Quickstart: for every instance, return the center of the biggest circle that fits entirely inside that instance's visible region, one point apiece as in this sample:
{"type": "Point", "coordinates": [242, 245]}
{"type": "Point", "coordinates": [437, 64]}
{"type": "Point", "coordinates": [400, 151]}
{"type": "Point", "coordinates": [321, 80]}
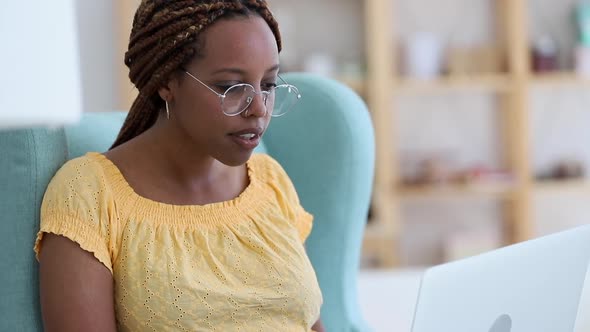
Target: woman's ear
{"type": "Point", "coordinates": [169, 88]}
{"type": "Point", "coordinates": [165, 91]}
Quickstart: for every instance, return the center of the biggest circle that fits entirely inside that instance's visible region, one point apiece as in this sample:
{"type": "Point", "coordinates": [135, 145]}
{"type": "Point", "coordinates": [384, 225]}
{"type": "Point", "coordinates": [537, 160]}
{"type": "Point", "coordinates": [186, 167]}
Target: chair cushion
{"type": "Point", "coordinates": [95, 132]}
{"type": "Point", "coordinates": [29, 159]}
{"type": "Point", "coordinates": [326, 145]}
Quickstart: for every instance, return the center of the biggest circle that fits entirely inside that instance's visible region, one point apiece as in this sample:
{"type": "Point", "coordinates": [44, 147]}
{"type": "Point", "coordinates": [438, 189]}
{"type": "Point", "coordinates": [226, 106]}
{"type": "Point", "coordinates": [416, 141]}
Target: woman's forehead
{"type": "Point", "coordinates": [239, 42]}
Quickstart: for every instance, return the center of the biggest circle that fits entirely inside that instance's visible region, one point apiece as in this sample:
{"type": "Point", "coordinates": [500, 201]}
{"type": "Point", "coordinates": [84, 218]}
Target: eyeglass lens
{"type": "Point", "coordinates": [239, 97]}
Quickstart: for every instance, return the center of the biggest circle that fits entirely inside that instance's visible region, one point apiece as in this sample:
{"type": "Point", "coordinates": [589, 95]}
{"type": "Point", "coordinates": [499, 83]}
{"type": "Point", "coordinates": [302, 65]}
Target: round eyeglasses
{"type": "Point", "coordinates": [237, 98]}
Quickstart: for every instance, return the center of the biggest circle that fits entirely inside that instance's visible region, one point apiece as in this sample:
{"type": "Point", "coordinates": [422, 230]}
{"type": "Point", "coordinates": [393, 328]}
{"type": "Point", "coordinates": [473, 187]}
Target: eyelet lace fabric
{"type": "Point", "coordinates": [238, 265]}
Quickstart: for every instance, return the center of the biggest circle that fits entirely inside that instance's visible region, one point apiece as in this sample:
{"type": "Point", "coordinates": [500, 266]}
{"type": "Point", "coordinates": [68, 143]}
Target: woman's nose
{"type": "Point", "coordinates": [257, 106]}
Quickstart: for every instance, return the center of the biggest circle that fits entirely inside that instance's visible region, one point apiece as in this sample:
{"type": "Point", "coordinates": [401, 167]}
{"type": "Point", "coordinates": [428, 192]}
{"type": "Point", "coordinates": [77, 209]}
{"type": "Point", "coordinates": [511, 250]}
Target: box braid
{"type": "Point", "coordinates": [164, 37]}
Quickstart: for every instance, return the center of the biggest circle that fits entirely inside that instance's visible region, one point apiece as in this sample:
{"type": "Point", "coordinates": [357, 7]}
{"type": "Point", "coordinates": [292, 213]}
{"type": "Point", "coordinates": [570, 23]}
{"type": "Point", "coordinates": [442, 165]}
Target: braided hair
{"type": "Point", "coordinates": [165, 37]}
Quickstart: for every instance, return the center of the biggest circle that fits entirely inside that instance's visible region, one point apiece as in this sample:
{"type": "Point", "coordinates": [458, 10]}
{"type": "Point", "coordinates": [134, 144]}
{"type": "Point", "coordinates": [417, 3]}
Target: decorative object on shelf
{"type": "Point", "coordinates": [439, 168]}
{"type": "Point", "coordinates": [582, 52]}
{"type": "Point", "coordinates": [488, 59]}
{"type": "Point", "coordinates": [482, 174]}
{"type": "Point", "coordinates": [472, 60]}
{"type": "Point", "coordinates": [582, 15]}
{"type": "Point", "coordinates": [423, 56]}
{"type": "Point", "coordinates": [566, 169]}
{"type": "Point", "coordinates": [544, 54]}
{"type": "Point", "coordinates": [459, 61]}
{"type": "Point", "coordinates": [435, 167]}
{"type": "Point", "coordinates": [434, 171]}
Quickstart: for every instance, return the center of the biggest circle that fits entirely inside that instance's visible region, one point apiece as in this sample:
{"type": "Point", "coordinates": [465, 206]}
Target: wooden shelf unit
{"type": "Point", "coordinates": [454, 191]}
{"type": "Point", "coordinates": [484, 83]}
{"type": "Point", "coordinates": [560, 186]}
{"type": "Point", "coordinates": [512, 87]}
{"type": "Point", "coordinates": [560, 79]}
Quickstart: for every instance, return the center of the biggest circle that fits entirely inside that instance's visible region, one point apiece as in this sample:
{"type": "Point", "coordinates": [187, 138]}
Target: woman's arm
{"type": "Point", "coordinates": [318, 326]}
{"type": "Point", "coordinates": [76, 289]}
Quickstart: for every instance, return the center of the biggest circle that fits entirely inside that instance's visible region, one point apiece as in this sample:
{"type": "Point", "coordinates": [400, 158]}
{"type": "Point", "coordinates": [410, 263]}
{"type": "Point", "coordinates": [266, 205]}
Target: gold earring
{"type": "Point", "coordinates": [167, 111]}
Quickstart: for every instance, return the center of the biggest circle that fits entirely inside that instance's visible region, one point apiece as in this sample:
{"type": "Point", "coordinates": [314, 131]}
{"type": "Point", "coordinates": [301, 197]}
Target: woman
{"type": "Point", "coordinates": [178, 226]}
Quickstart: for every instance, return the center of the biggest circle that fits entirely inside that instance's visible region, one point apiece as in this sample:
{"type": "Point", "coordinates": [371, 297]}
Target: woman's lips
{"type": "Point", "coordinates": [248, 141]}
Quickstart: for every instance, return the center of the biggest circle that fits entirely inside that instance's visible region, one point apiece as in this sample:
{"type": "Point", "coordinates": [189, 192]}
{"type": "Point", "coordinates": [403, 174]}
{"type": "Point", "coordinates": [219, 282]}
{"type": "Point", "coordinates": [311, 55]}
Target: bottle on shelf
{"type": "Point", "coordinates": [582, 52]}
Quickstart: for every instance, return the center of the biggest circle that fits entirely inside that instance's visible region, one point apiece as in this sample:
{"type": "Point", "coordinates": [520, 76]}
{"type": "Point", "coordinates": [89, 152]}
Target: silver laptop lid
{"type": "Point", "coordinates": [533, 286]}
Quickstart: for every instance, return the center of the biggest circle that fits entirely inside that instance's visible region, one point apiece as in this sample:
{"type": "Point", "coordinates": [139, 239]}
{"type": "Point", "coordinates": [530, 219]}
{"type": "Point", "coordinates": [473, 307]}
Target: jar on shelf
{"type": "Point", "coordinates": [545, 54]}
{"type": "Point", "coordinates": [423, 55]}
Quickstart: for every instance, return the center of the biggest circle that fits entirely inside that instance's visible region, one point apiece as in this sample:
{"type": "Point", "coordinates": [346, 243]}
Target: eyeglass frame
{"type": "Point", "coordinates": [265, 94]}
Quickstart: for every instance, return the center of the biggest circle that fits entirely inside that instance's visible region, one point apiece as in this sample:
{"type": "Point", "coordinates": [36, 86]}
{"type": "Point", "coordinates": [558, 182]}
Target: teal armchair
{"type": "Point", "coordinates": [326, 145]}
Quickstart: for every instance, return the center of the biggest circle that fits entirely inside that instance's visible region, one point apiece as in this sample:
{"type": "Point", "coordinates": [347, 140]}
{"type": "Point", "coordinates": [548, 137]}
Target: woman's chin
{"type": "Point", "coordinates": [235, 160]}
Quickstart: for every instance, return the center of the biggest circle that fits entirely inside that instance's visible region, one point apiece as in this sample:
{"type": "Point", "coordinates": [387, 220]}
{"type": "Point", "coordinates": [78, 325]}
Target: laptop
{"type": "Point", "coordinates": [541, 285]}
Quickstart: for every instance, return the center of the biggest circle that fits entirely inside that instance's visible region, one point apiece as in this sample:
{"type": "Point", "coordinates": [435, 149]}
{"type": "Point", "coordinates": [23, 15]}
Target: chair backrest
{"type": "Point", "coordinates": [325, 144]}
{"type": "Point", "coordinates": [28, 160]}
{"type": "Point", "coordinates": [327, 147]}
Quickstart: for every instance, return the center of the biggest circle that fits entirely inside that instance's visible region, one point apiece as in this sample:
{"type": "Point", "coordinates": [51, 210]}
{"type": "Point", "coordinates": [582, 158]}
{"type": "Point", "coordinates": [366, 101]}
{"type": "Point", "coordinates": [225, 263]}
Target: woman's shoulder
{"type": "Point", "coordinates": [85, 165]}
{"type": "Point", "coordinates": [88, 162]}
{"type": "Point", "coordinates": [283, 192]}
{"type": "Point", "coordinates": [87, 171]}
{"type": "Point", "coordinates": [269, 171]}
{"type": "Point", "coordinates": [266, 167]}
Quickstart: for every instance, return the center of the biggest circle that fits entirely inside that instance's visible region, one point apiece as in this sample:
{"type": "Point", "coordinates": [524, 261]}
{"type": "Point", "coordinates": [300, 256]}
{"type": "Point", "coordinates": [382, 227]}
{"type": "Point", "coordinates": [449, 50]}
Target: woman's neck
{"type": "Point", "coordinates": [161, 163]}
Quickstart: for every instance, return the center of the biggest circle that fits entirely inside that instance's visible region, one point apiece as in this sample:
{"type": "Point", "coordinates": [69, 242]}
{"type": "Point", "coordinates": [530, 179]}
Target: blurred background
{"type": "Point", "coordinates": [481, 112]}
{"type": "Point", "coordinates": [480, 109]}
{"type": "Point", "coordinates": [482, 118]}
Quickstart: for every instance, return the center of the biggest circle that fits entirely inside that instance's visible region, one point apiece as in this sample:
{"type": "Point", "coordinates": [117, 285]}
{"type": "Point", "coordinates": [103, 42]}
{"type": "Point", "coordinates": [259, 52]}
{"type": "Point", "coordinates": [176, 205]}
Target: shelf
{"type": "Point", "coordinates": [560, 79]}
{"type": "Point", "coordinates": [451, 191]}
{"type": "Point", "coordinates": [485, 83]}
{"type": "Point", "coordinates": [489, 83]}
{"type": "Point", "coordinates": [559, 186]}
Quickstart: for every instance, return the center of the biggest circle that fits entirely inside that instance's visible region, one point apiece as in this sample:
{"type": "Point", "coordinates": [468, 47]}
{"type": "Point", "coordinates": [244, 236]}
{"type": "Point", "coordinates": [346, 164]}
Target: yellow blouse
{"type": "Point", "coordinates": [238, 265]}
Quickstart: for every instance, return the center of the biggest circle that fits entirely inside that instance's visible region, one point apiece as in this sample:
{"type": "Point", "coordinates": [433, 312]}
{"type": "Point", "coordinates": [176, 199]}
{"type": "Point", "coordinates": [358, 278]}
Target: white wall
{"type": "Point", "coordinates": [326, 26]}
{"type": "Point", "coordinates": [39, 64]}
{"type": "Point", "coordinates": [97, 27]}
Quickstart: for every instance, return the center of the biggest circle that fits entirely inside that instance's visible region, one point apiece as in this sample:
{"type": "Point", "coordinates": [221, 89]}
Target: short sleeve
{"type": "Point", "coordinates": [289, 200]}
{"type": "Point", "coordinates": [78, 206]}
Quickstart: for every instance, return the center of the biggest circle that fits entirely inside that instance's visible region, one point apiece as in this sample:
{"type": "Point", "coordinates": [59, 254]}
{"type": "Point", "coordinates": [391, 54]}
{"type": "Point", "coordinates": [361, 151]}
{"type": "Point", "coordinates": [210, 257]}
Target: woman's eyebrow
{"type": "Point", "coordinates": [241, 71]}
